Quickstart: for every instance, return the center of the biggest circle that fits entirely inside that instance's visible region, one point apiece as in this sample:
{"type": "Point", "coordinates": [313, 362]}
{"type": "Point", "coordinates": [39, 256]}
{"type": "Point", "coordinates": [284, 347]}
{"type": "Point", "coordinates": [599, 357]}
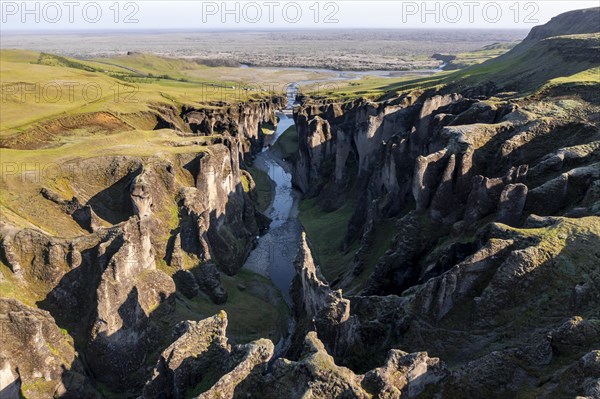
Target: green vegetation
{"type": "Point", "coordinates": [530, 65]}
{"type": "Point", "coordinates": [254, 306]}
{"type": "Point", "coordinates": [245, 183]}
{"type": "Point", "coordinates": [9, 288]}
{"type": "Point", "coordinates": [463, 60]}
{"type": "Point", "coordinates": [377, 87]}
{"type": "Point", "coordinates": [326, 231]}
{"type": "Point", "coordinates": [38, 388]}
{"type": "Point", "coordinates": [60, 168]}
{"type": "Point", "coordinates": [267, 128]}
{"type": "Point", "coordinates": [380, 243]}
{"type": "Point", "coordinates": [55, 60]}
{"type": "Point", "coordinates": [263, 188]}
{"type": "Point", "coordinates": [286, 145]}
{"type": "Point", "coordinates": [37, 87]}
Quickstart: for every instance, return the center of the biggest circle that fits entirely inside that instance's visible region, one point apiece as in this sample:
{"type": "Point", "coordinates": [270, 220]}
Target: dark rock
{"type": "Point", "coordinates": [186, 283]}
{"type": "Point", "coordinates": [511, 204]}
{"type": "Point", "coordinates": [201, 354]}
{"type": "Point", "coordinates": [209, 281]}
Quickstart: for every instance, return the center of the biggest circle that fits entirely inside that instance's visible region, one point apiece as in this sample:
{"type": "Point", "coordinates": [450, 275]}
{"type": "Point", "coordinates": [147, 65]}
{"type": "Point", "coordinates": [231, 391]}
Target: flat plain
{"type": "Point", "coordinates": [340, 49]}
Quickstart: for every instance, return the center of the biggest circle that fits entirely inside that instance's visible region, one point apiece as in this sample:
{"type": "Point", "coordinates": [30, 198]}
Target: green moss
{"type": "Point", "coordinates": [263, 190]}
{"type": "Point", "coordinates": [325, 231]}
{"type": "Point", "coordinates": [286, 145]}
{"type": "Point", "coordinates": [38, 388]}
{"type": "Point", "coordinates": [267, 128]}
{"type": "Point", "coordinates": [245, 183]}
{"type": "Point", "coordinates": [11, 287]}
{"type": "Point", "coordinates": [258, 311]}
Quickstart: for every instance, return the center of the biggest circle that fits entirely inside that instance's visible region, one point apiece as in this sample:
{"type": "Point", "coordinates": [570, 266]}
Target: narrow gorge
{"type": "Point", "coordinates": [439, 241]}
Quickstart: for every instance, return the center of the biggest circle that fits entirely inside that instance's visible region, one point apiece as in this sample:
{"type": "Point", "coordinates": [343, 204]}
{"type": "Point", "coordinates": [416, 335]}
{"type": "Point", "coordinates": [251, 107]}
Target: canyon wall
{"type": "Point", "coordinates": [151, 227]}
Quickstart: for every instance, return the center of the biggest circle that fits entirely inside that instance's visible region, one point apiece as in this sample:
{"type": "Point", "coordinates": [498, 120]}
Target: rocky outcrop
{"type": "Point", "coordinates": [405, 375]}
{"type": "Point", "coordinates": [316, 375]}
{"type": "Point", "coordinates": [37, 358]}
{"type": "Point", "coordinates": [184, 212]}
{"type": "Point", "coordinates": [344, 325]}
{"type": "Point", "coordinates": [220, 219]}
{"type": "Point", "coordinates": [439, 295]}
{"type": "Point", "coordinates": [201, 357]}
{"type": "Point", "coordinates": [243, 121]}
{"type": "Point", "coordinates": [130, 290]}
{"type": "Point", "coordinates": [317, 306]}
{"type": "Point", "coordinates": [555, 193]}
{"type": "Point", "coordinates": [459, 160]}
{"type": "Point", "coordinates": [141, 196]}
{"type": "Point", "coordinates": [457, 311]}
{"type": "Point", "coordinates": [209, 281]}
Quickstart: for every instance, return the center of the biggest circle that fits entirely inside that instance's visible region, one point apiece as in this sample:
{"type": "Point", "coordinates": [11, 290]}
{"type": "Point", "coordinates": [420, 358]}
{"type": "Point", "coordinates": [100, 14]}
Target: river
{"type": "Point", "coordinates": [274, 254]}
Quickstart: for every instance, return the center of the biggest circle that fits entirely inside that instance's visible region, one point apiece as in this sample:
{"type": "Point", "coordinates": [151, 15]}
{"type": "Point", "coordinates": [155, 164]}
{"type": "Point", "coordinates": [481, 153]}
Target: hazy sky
{"type": "Point", "coordinates": [196, 14]}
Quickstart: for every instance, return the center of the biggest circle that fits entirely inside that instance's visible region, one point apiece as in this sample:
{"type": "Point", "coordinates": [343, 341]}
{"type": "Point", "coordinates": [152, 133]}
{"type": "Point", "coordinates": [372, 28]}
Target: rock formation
{"type": "Point", "coordinates": [108, 287]}
{"type": "Point", "coordinates": [473, 235]}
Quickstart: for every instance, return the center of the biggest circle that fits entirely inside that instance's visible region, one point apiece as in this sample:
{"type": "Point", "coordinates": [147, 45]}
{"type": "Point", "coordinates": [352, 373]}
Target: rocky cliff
{"type": "Point", "coordinates": [149, 229]}
{"type": "Point", "coordinates": [492, 201]}
{"type": "Point", "coordinates": [470, 220]}
{"type": "Point", "coordinates": [445, 164]}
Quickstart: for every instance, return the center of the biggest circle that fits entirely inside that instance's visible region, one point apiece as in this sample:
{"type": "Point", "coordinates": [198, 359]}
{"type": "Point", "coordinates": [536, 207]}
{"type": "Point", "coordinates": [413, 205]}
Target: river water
{"type": "Point", "coordinates": [274, 255]}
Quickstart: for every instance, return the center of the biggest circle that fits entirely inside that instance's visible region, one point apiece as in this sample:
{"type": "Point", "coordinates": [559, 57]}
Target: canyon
{"type": "Point", "coordinates": [446, 242]}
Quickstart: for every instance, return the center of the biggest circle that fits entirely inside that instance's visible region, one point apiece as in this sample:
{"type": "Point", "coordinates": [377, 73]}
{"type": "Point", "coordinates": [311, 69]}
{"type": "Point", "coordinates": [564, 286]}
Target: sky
{"type": "Point", "coordinates": [60, 16]}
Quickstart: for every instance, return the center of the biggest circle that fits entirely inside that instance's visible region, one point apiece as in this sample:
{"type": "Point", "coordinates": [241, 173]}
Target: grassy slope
{"type": "Point", "coordinates": [286, 145]}
{"type": "Point", "coordinates": [464, 60]}
{"type": "Point", "coordinates": [257, 310]}
{"type": "Point", "coordinates": [254, 306]}
{"type": "Point", "coordinates": [57, 168]}
{"type": "Point", "coordinates": [528, 68]}
{"type": "Point", "coordinates": [31, 89]}
{"type": "Point", "coordinates": [326, 231]}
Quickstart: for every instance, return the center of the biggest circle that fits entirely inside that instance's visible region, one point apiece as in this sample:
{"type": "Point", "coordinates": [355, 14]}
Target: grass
{"type": "Point", "coordinates": [255, 311]}
{"type": "Point", "coordinates": [326, 231]}
{"type": "Point", "coordinates": [588, 76]}
{"type": "Point", "coordinates": [61, 168]}
{"type": "Point", "coordinates": [263, 188]}
{"type": "Point", "coordinates": [468, 59]}
{"type": "Point", "coordinates": [11, 288]}
{"type": "Point", "coordinates": [286, 145]}
{"type": "Point", "coordinates": [267, 128]}
{"type": "Point", "coordinates": [375, 87]}
{"type": "Point", "coordinates": [382, 239]}
{"type": "Point", "coordinates": [33, 92]}
{"type": "Point", "coordinates": [529, 66]}
{"type": "Point", "coordinates": [245, 183]}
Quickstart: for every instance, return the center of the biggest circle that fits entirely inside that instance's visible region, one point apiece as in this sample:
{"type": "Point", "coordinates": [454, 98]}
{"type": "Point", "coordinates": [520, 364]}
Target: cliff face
{"type": "Point", "coordinates": [491, 211]}
{"type": "Point", "coordinates": [152, 227]}
{"type": "Point", "coordinates": [244, 121]}
{"type": "Point", "coordinates": [457, 160]}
